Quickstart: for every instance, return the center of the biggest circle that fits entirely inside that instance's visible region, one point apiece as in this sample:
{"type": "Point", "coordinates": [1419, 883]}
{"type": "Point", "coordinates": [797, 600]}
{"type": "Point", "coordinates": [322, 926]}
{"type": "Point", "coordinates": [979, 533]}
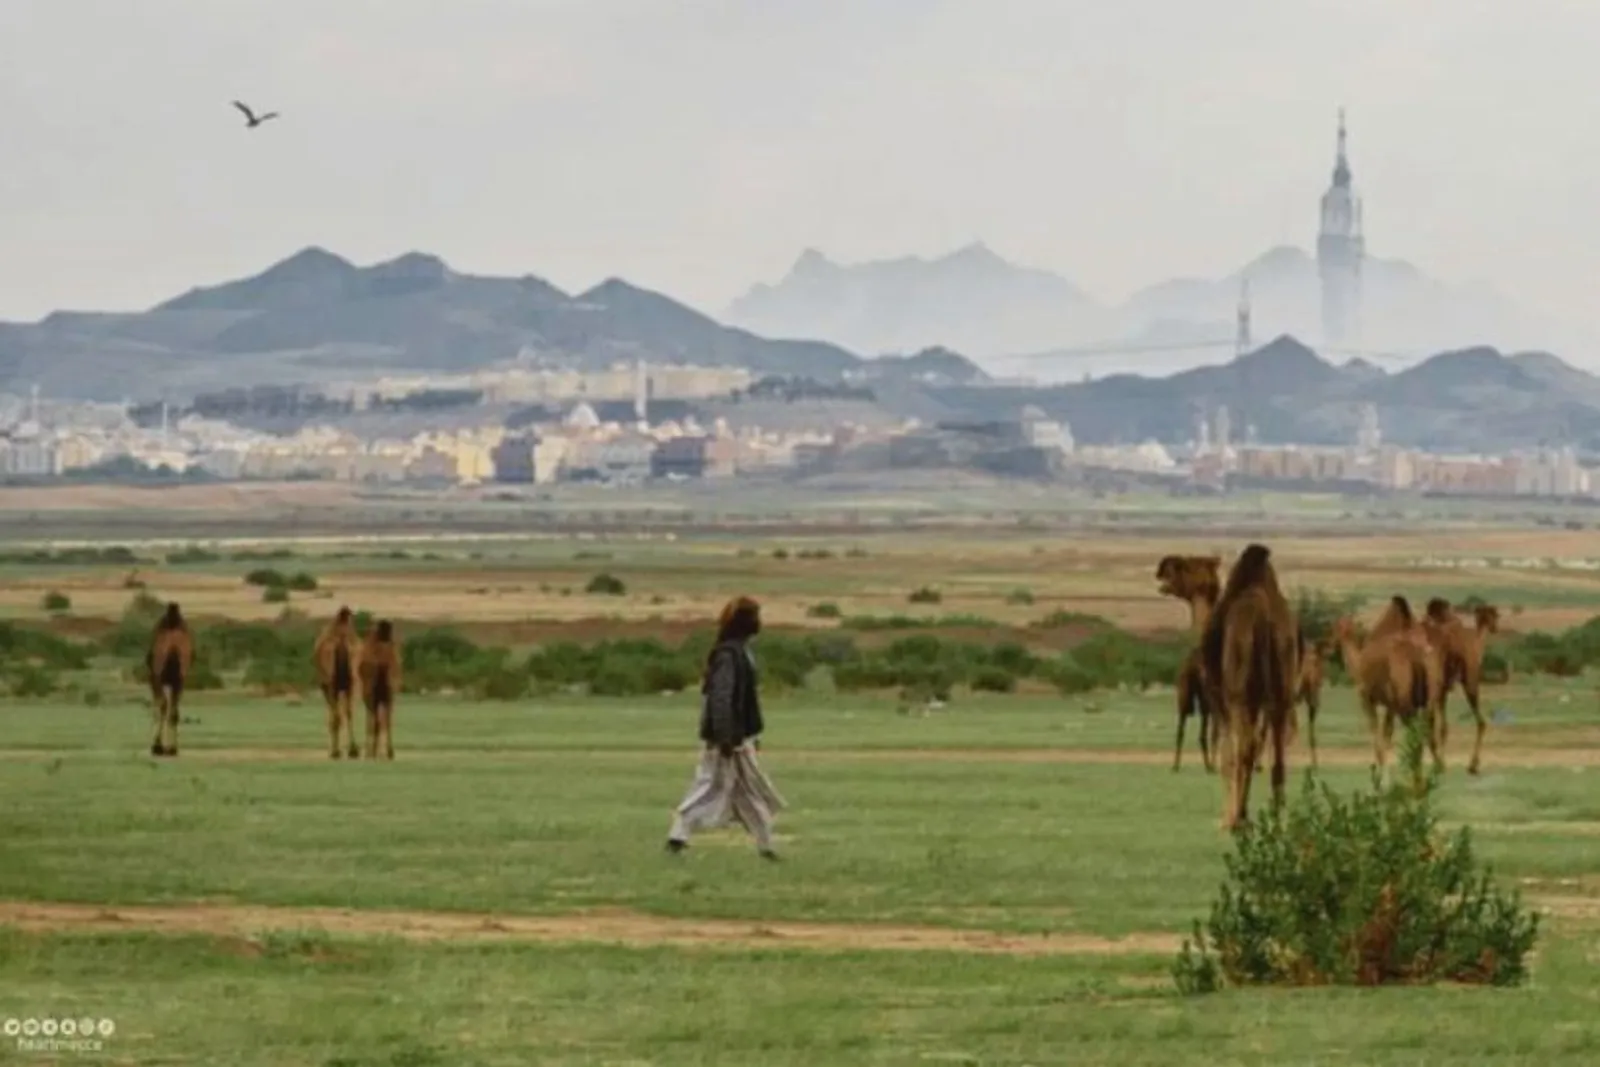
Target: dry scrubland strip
{"type": "Point", "coordinates": [610, 926]}
{"type": "Point", "coordinates": [1522, 758]}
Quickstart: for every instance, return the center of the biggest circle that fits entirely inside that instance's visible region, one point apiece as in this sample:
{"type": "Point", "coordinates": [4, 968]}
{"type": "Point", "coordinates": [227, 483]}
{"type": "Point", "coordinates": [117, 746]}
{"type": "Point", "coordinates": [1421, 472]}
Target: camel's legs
{"type": "Point", "coordinates": [1210, 724]}
{"type": "Point", "coordinates": [158, 715]}
{"type": "Point", "coordinates": [372, 732]}
{"type": "Point", "coordinates": [332, 700]}
{"type": "Point", "coordinates": [1247, 741]}
{"type": "Point", "coordinates": [1183, 716]}
{"type": "Point", "coordinates": [172, 723]}
{"type": "Point", "coordinates": [1369, 709]}
{"type": "Point", "coordinates": [1280, 742]}
{"type": "Point", "coordinates": [386, 727]}
{"type": "Point", "coordinates": [347, 718]}
{"type": "Point", "coordinates": [1470, 686]}
{"type": "Point", "coordinates": [1312, 708]}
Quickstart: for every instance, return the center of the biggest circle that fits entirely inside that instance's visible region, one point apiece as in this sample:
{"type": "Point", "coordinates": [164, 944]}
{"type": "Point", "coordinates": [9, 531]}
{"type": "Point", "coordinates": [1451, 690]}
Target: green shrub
{"type": "Point", "coordinates": [825, 610]}
{"type": "Point", "coordinates": [56, 603]}
{"type": "Point", "coordinates": [31, 680]}
{"type": "Point", "coordinates": [301, 582]}
{"type": "Point", "coordinates": [1358, 890]}
{"type": "Point", "coordinates": [780, 553]}
{"type": "Point", "coordinates": [1019, 596]}
{"type": "Point", "coordinates": [192, 554]}
{"type": "Point", "coordinates": [925, 595]}
{"type": "Point", "coordinates": [275, 594]}
{"type": "Point", "coordinates": [1318, 611]}
{"type": "Point", "coordinates": [993, 680]}
{"type": "Point", "coordinates": [21, 646]}
{"type": "Point", "coordinates": [266, 577]}
{"type": "Point", "coordinates": [605, 584]}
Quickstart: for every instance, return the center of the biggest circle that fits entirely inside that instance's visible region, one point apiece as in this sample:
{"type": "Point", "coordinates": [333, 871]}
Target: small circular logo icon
{"type": "Point", "coordinates": [106, 1027]}
{"type": "Point", "coordinates": [86, 1026]}
{"type": "Point", "coordinates": [30, 1027]}
{"type": "Point", "coordinates": [48, 1028]}
{"type": "Point", "coordinates": [69, 1027]}
{"type": "Point", "coordinates": [13, 1027]}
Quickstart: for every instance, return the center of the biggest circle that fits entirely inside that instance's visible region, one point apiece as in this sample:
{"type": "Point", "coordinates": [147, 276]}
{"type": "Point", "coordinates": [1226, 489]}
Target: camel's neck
{"type": "Point", "coordinates": [1200, 609]}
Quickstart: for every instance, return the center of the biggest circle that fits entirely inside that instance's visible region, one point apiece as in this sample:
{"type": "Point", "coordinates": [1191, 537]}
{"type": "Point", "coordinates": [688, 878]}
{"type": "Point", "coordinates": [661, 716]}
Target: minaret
{"type": "Point", "coordinates": [33, 404]}
{"type": "Point", "coordinates": [1340, 250]}
{"type": "Point", "coordinates": [1241, 339]}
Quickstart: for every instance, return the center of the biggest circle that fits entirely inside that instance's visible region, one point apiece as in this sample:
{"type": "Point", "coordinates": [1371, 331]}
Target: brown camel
{"type": "Point", "coordinates": [1399, 669]}
{"type": "Point", "coordinates": [1196, 581]}
{"type": "Point", "coordinates": [380, 682]}
{"type": "Point", "coordinates": [168, 661]}
{"type": "Point", "coordinates": [1462, 650]}
{"type": "Point", "coordinates": [335, 656]}
{"type": "Point", "coordinates": [1251, 658]}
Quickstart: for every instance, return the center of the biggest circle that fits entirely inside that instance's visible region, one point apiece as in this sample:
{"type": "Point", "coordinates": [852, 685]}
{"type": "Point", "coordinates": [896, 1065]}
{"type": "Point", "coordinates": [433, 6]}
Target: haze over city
{"type": "Point", "coordinates": [698, 148]}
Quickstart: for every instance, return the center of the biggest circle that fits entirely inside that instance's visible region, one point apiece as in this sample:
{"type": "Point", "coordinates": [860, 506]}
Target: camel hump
{"type": "Point", "coordinates": [1402, 608]}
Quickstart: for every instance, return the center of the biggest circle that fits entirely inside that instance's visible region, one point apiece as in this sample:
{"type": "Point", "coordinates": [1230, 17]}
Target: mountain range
{"type": "Point", "coordinates": [1018, 318]}
{"type": "Point", "coordinates": [316, 318]}
{"type": "Point", "coordinates": [1467, 400]}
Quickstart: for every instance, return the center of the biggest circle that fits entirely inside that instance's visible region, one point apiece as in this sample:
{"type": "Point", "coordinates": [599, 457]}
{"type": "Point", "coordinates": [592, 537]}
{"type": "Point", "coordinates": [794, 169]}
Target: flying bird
{"type": "Point", "coordinates": [251, 119]}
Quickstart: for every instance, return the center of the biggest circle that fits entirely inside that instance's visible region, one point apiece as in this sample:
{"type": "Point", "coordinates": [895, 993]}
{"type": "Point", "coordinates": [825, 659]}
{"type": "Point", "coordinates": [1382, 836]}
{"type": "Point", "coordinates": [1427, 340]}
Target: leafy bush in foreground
{"type": "Point", "coordinates": [1358, 890]}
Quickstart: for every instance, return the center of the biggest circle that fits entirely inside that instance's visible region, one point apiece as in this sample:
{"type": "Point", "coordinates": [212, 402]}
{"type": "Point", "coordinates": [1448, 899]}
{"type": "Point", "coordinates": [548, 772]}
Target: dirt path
{"type": "Point", "coordinates": [611, 926]}
{"type": "Point", "coordinates": [1527, 757]}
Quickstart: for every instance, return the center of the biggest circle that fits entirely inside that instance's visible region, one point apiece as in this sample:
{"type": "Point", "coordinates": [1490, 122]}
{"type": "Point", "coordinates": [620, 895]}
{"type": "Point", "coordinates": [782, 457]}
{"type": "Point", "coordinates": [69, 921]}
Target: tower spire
{"type": "Point", "coordinates": [1341, 161]}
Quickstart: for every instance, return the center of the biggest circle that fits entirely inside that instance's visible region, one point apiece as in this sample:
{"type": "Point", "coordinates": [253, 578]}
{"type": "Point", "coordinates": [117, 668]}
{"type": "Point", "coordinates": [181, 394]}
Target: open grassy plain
{"type": "Point", "coordinates": [997, 879]}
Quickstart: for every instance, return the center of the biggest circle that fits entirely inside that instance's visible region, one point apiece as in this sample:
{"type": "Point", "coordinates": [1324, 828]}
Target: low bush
{"type": "Point", "coordinates": [605, 584]}
{"type": "Point", "coordinates": [1358, 890]}
{"type": "Point", "coordinates": [192, 554]}
{"type": "Point", "coordinates": [275, 594]}
{"type": "Point", "coordinates": [825, 610]}
{"type": "Point", "coordinates": [266, 577]}
{"type": "Point", "coordinates": [925, 595]}
{"type": "Point", "coordinates": [1019, 596]}
{"type": "Point", "coordinates": [55, 602]}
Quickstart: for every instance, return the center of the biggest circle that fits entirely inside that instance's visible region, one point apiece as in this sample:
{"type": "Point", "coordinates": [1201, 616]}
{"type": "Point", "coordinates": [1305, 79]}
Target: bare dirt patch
{"type": "Point", "coordinates": [611, 926]}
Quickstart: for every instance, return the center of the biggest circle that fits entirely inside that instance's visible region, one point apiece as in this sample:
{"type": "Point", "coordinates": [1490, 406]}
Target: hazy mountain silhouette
{"type": "Point", "coordinates": [970, 300]}
{"type": "Point", "coordinates": [980, 304]}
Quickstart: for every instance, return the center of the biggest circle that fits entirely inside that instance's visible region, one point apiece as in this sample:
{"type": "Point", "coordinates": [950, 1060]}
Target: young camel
{"type": "Point", "coordinates": [335, 658]}
{"type": "Point", "coordinates": [1462, 650]}
{"type": "Point", "coordinates": [1308, 691]}
{"type": "Point", "coordinates": [168, 661]}
{"type": "Point", "coordinates": [1399, 669]}
{"type": "Point", "coordinates": [1251, 655]}
{"type": "Point", "coordinates": [380, 681]}
{"type": "Point", "coordinates": [1196, 581]}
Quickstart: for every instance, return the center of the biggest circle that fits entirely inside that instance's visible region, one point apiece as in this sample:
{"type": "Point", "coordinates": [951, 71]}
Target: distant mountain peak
{"type": "Point", "coordinates": [810, 261]}
{"type": "Point", "coordinates": [311, 261]}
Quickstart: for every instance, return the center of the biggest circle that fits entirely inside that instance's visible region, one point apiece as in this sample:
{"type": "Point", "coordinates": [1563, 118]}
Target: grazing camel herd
{"type": "Point", "coordinates": [344, 662]}
{"type": "Point", "coordinates": [1251, 665]}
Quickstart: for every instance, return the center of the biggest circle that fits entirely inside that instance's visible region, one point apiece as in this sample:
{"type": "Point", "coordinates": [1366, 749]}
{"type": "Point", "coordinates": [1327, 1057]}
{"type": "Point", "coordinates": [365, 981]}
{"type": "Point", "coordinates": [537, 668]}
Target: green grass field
{"type": "Point", "coordinates": [1038, 818]}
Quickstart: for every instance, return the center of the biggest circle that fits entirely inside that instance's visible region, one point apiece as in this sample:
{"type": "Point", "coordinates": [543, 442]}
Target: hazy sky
{"type": "Point", "coordinates": [696, 146]}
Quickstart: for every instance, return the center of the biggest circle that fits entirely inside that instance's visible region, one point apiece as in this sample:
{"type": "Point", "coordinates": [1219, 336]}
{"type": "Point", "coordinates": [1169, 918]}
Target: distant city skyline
{"type": "Point", "coordinates": [696, 149]}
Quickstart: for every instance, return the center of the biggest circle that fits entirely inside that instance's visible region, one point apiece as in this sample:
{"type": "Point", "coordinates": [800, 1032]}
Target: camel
{"type": "Point", "coordinates": [1462, 651]}
{"type": "Point", "coordinates": [380, 682]}
{"type": "Point", "coordinates": [335, 657]}
{"type": "Point", "coordinates": [1251, 657]}
{"type": "Point", "coordinates": [1399, 669]}
{"type": "Point", "coordinates": [168, 661]}
{"type": "Point", "coordinates": [1195, 581]}
{"type": "Point", "coordinates": [1308, 691]}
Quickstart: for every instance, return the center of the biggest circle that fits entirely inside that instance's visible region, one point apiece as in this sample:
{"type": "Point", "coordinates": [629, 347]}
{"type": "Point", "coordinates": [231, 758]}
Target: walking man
{"type": "Point", "coordinates": [729, 784]}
